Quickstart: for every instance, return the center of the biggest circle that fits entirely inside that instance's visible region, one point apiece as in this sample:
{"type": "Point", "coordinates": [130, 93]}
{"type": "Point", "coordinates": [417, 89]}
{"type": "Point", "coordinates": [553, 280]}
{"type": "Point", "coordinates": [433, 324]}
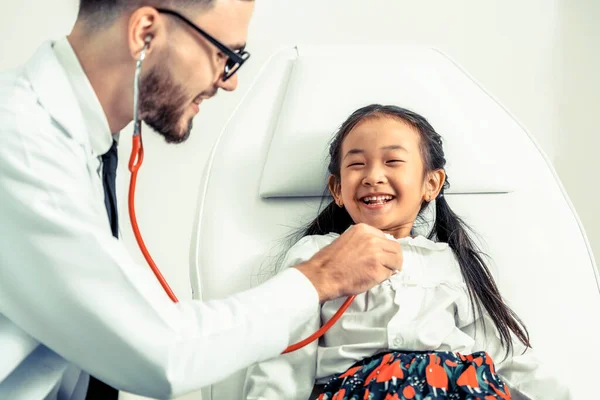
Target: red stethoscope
{"type": "Point", "coordinates": [135, 161]}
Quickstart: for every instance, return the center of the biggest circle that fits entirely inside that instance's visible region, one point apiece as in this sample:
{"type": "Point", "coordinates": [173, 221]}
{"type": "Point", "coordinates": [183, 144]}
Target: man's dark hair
{"type": "Point", "coordinates": [100, 13]}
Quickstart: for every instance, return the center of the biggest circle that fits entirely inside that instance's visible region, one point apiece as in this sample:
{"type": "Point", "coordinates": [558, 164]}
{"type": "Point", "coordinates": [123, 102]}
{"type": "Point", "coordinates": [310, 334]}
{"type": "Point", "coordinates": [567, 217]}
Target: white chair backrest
{"type": "Point", "coordinates": [268, 169]}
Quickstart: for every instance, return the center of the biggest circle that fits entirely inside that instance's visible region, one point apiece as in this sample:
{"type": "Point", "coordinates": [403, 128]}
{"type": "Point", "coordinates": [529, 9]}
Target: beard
{"type": "Point", "coordinates": [162, 105]}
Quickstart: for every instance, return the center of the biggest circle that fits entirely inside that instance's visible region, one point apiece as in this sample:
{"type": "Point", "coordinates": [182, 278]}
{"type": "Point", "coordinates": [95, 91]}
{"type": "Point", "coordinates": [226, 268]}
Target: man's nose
{"type": "Point", "coordinates": [228, 85]}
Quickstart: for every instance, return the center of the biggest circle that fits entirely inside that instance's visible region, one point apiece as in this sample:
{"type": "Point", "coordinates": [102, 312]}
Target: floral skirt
{"type": "Point", "coordinates": [418, 376]}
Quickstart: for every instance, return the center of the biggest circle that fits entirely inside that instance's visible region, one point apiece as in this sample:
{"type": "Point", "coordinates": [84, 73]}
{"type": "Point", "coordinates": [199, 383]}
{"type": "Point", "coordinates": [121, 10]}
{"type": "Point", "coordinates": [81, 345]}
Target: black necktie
{"type": "Point", "coordinates": [98, 390]}
{"type": "Point", "coordinates": [109, 175]}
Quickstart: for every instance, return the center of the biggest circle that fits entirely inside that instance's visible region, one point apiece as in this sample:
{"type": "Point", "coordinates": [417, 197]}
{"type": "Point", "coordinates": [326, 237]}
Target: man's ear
{"type": "Point", "coordinates": [144, 23]}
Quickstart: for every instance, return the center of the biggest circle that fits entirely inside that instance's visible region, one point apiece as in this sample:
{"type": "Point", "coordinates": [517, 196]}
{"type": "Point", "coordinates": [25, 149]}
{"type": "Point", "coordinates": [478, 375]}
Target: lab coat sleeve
{"type": "Point", "coordinates": [525, 375]}
{"type": "Point", "coordinates": [70, 285]}
{"type": "Point", "coordinates": [289, 376]}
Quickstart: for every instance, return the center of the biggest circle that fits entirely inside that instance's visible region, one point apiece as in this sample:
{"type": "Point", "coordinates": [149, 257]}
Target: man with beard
{"type": "Point", "coordinates": [71, 299]}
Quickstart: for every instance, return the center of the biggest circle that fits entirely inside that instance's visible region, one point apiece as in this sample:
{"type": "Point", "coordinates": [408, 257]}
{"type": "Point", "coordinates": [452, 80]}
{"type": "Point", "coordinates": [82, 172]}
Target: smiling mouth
{"type": "Point", "coordinates": [374, 200]}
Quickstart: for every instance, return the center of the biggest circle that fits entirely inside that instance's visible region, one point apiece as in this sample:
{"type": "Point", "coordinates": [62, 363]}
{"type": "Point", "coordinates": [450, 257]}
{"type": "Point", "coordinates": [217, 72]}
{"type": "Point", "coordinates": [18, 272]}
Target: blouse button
{"type": "Point", "coordinates": [398, 341]}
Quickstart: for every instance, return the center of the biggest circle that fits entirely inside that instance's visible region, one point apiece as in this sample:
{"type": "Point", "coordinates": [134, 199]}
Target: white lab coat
{"type": "Point", "coordinates": [72, 299]}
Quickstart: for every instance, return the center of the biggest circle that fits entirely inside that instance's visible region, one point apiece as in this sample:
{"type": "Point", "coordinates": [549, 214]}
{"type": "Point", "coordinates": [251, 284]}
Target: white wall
{"type": "Point", "coordinates": [539, 57]}
{"type": "Point", "coordinates": [577, 105]}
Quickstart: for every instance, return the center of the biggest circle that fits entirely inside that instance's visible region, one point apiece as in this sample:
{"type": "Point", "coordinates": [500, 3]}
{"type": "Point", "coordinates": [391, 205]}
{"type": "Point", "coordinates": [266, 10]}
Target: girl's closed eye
{"type": "Point", "coordinates": [394, 161]}
{"type": "Point", "coordinates": [356, 164]}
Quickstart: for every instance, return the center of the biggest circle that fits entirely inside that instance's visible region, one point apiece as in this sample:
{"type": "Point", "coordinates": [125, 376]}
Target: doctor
{"type": "Point", "coordinates": [71, 298]}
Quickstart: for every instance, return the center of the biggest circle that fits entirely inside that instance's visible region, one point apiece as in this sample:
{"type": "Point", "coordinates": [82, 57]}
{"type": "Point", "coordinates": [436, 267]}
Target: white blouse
{"type": "Point", "coordinates": [426, 306]}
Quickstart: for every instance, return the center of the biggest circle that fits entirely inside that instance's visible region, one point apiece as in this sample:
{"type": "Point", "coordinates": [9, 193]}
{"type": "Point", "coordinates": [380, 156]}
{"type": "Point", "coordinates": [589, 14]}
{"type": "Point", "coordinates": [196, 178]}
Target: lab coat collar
{"type": "Point", "coordinates": [93, 113]}
{"type": "Point", "coordinates": [54, 92]}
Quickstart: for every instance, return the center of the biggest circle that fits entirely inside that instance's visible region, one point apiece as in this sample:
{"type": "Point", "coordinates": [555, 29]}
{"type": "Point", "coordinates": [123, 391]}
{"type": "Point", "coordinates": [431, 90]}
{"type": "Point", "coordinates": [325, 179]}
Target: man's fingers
{"type": "Point", "coordinates": [387, 245]}
{"type": "Point", "coordinates": [391, 246]}
{"type": "Point", "coordinates": [367, 228]}
{"type": "Point", "coordinates": [391, 262]}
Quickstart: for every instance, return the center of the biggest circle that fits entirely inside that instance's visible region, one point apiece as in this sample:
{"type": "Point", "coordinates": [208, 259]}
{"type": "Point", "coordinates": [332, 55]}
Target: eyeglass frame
{"type": "Point", "coordinates": [237, 58]}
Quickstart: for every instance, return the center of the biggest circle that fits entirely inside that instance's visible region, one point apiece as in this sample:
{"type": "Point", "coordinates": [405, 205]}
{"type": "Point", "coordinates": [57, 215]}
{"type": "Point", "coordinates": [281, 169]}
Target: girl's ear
{"type": "Point", "coordinates": [335, 189]}
{"type": "Point", "coordinates": [433, 184]}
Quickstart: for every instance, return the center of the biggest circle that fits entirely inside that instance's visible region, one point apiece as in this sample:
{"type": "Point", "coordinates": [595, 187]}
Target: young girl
{"type": "Point", "coordinates": [422, 333]}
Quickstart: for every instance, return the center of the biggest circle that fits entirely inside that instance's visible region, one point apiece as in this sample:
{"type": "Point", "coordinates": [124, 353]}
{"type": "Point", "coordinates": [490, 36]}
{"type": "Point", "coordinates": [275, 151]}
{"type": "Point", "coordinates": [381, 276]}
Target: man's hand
{"type": "Point", "coordinates": [359, 259]}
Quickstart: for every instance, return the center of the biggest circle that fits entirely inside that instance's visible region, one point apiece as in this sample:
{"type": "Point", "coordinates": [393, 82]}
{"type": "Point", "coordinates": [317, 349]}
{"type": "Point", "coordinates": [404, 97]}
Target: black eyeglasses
{"type": "Point", "coordinates": [235, 59]}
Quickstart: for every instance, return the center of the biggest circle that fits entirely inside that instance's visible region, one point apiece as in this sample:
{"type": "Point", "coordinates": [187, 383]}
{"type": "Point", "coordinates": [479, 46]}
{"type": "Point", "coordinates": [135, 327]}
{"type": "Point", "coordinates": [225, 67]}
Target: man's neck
{"type": "Point", "coordinates": [110, 70]}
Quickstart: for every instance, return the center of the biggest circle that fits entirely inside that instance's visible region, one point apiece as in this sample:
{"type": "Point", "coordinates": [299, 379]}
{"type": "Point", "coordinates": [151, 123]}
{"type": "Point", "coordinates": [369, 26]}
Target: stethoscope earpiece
{"type": "Point", "coordinates": [147, 41]}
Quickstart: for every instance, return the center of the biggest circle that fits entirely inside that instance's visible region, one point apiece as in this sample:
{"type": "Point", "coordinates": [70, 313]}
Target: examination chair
{"type": "Point", "coordinates": [267, 173]}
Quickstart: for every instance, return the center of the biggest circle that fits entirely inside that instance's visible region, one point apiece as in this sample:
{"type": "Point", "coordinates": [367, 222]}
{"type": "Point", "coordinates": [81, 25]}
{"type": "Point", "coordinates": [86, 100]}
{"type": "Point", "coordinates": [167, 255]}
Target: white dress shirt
{"type": "Point", "coordinates": [424, 307]}
{"type": "Point", "coordinates": [71, 298]}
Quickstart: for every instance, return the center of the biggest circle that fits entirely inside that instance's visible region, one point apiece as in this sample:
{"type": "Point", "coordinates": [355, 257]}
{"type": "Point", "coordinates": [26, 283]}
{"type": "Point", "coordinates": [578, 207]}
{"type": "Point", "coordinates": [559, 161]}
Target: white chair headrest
{"type": "Point", "coordinates": [320, 97]}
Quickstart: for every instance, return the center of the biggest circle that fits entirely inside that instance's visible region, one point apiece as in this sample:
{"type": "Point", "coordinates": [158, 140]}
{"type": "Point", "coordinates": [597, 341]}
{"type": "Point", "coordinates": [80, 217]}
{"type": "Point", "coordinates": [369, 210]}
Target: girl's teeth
{"type": "Point", "coordinates": [376, 199]}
